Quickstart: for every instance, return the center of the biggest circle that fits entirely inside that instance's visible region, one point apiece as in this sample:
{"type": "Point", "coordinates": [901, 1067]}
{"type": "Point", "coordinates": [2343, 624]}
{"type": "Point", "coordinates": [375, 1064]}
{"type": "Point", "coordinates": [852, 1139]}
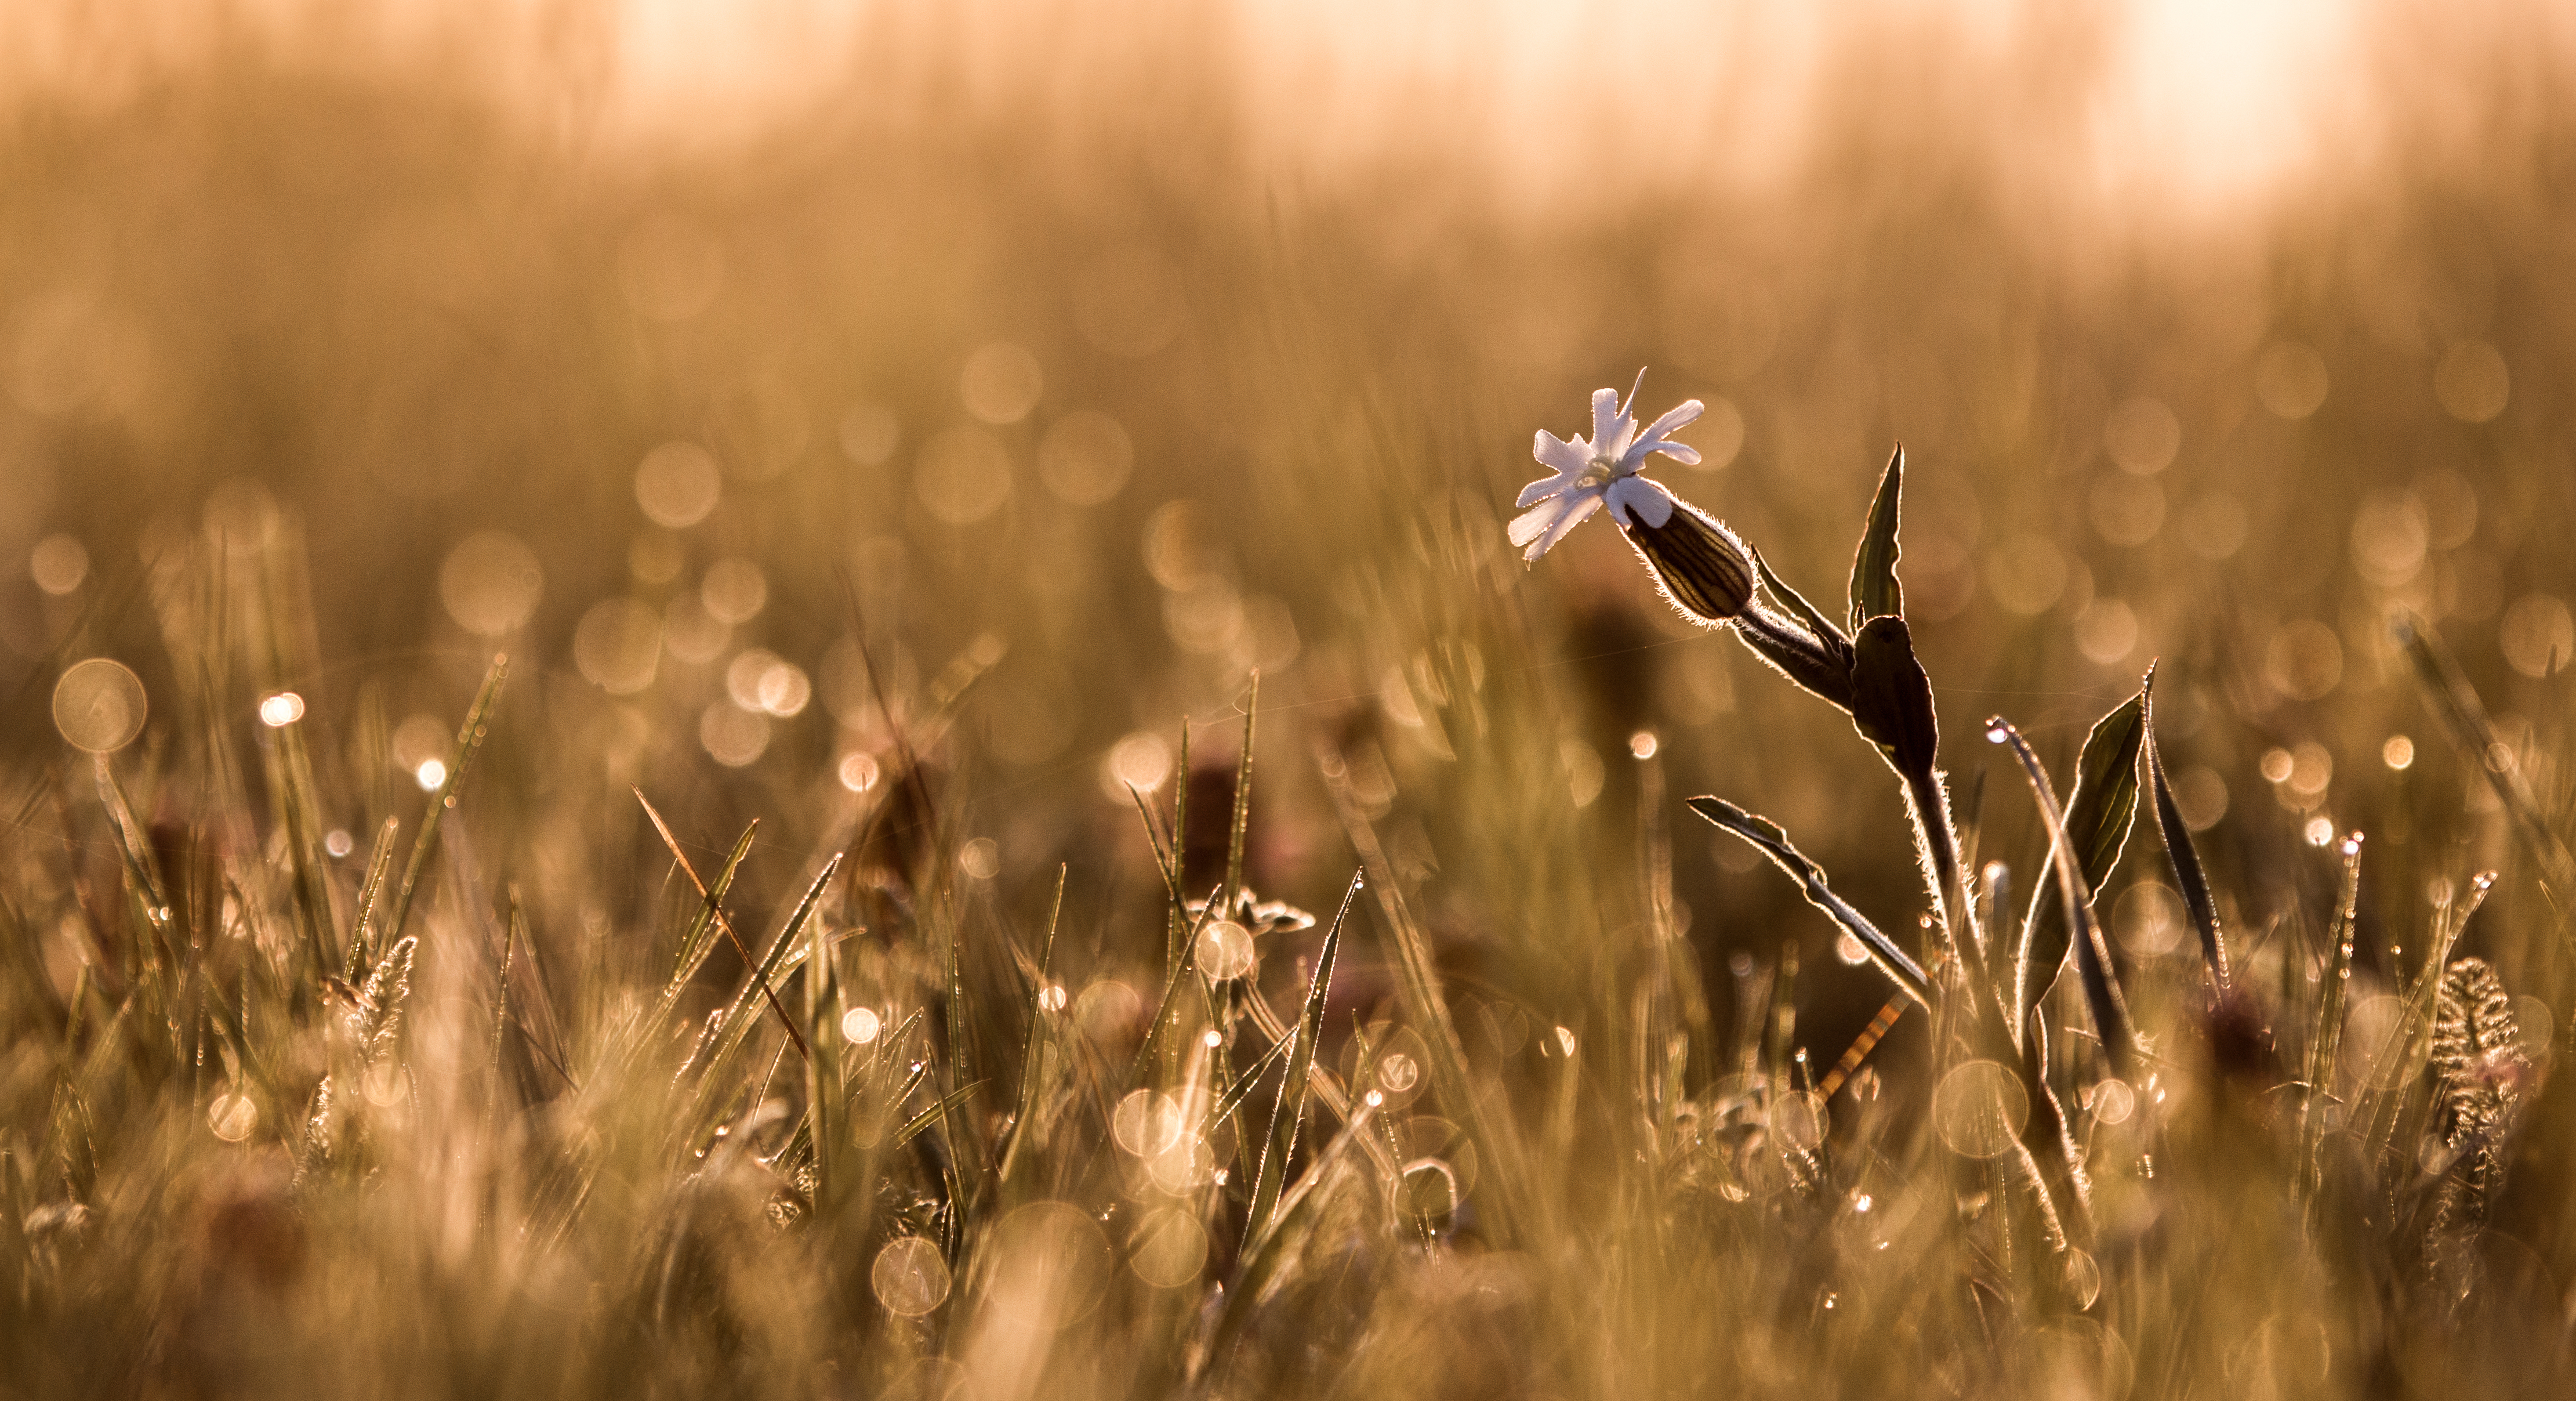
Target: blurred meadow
{"type": "Point", "coordinates": [912, 429]}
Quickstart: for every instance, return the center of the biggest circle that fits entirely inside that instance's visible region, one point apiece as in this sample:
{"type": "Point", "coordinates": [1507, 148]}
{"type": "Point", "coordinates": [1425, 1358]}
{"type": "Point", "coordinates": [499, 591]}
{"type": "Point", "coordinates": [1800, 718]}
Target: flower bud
{"type": "Point", "coordinates": [1698, 563]}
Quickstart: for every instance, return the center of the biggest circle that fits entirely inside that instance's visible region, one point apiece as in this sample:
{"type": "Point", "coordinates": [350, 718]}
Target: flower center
{"type": "Point", "coordinates": [1601, 471]}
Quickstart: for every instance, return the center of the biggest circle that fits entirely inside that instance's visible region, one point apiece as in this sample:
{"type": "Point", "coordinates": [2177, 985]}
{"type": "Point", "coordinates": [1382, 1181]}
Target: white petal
{"type": "Point", "coordinates": [1526, 527]}
{"type": "Point", "coordinates": [1584, 505]}
{"type": "Point", "coordinates": [1553, 451]}
{"type": "Point", "coordinates": [1629, 408]}
{"type": "Point", "coordinates": [1680, 415]}
{"type": "Point", "coordinates": [1682, 453]}
{"type": "Point", "coordinates": [1642, 500]}
{"type": "Point", "coordinates": [1605, 416]}
{"type": "Point", "coordinates": [1544, 488]}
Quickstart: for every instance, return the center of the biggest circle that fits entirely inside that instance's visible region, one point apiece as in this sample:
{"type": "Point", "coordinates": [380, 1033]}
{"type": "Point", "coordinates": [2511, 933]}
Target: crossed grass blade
{"type": "Point", "coordinates": [697, 940]}
{"type": "Point", "coordinates": [1024, 1104]}
{"type": "Point", "coordinates": [784, 954]}
{"type": "Point", "coordinates": [711, 907]}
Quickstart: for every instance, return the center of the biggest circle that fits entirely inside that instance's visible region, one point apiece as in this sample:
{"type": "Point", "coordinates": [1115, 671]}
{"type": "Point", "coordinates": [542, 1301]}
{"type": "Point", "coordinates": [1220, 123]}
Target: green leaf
{"type": "Point", "coordinates": [2098, 819]}
{"type": "Point", "coordinates": [1767, 837]}
{"type": "Point", "coordinates": [1874, 590]}
{"type": "Point", "coordinates": [1892, 697]}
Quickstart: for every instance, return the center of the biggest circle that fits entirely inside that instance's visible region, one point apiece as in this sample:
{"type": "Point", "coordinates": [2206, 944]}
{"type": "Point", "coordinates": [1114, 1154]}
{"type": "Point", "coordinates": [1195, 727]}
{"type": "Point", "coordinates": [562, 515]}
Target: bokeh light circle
{"type": "Point", "coordinates": [99, 705]}
{"type": "Point", "coordinates": [910, 1277]}
{"type": "Point", "coordinates": [1979, 1109]}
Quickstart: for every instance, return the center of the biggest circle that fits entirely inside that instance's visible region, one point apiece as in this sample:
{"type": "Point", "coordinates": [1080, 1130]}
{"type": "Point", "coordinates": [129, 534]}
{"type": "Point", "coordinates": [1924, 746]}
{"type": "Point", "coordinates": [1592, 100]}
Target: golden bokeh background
{"type": "Point", "coordinates": [1088, 358]}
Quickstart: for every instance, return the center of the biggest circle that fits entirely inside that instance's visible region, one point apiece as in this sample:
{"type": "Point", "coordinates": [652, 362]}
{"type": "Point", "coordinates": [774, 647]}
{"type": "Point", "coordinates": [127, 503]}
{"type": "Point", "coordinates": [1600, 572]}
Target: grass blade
{"type": "Point", "coordinates": [380, 862]}
{"type": "Point", "coordinates": [2325, 1043]}
{"type": "Point", "coordinates": [2448, 690]}
{"type": "Point", "coordinates": [1033, 1047]}
{"type": "Point", "coordinates": [469, 742]}
{"type": "Point", "coordinates": [919, 1123]}
{"type": "Point", "coordinates": [1767, 838]}
{"type": "Point", "coordinates": [712, 908]}
{"type": "Point", "coordinates": [1289, 1112]}
{"type": "Point", "coordinates": [1242, 824]}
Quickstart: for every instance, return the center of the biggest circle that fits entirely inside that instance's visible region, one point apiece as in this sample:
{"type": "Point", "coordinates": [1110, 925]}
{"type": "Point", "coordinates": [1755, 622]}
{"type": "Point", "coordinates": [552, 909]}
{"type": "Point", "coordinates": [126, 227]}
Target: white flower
{"type": "Point", "coordinates": [1602, 468]}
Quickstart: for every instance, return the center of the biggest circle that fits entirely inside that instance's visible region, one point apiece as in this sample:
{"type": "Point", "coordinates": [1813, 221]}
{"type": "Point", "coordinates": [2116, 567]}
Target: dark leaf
{"type": "Point", "coordinates": [2098, 819]}
{"type": "Point", "coordinates": [1892, 698]}
{"type": "Point", "coordinates": [2185, 858]}
{"type": "Point", "coordinates": [1874, 590]}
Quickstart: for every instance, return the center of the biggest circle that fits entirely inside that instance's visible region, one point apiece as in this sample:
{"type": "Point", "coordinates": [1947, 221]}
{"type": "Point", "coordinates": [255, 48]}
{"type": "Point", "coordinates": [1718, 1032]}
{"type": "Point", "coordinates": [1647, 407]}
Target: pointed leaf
{"type": "Point", "coordinates": [2098, 819]}
{"type": "Point", "coordinates": [2189, 877]}
{"type": "Point", "coordinates": [1835, 642]}
{"type": "Point", "coordinates": [1874, 590]}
